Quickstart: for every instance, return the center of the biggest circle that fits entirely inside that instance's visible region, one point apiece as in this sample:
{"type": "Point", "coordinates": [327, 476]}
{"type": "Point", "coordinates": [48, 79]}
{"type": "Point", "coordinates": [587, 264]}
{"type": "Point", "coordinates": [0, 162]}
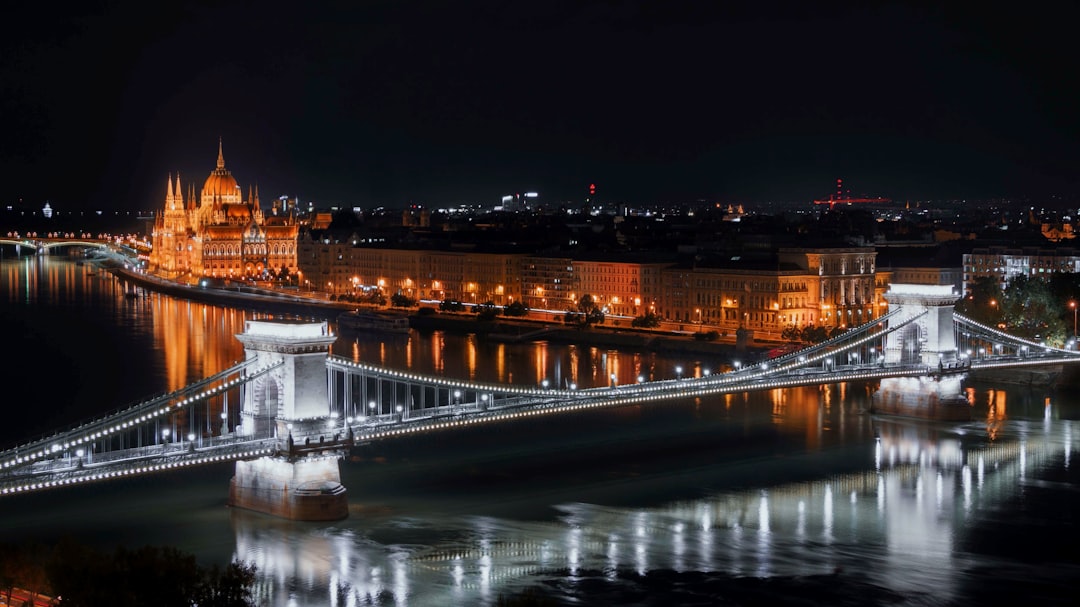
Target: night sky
{"type": "Point", "coordinates": [398, 102]}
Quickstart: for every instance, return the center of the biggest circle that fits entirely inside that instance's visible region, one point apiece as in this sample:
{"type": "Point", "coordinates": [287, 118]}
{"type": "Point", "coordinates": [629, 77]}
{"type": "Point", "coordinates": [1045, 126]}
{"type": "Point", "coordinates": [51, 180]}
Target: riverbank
{"type": "Point", "coordinates": [508, 330]}
{"type": "Point", "coordinates": [260, 300]}
{"type": "Point", "coordinates": [632, 338]}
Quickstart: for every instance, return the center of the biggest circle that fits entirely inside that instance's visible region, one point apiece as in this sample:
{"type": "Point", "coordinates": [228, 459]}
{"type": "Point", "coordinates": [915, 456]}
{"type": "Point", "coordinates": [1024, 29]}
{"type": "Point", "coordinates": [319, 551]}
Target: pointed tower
{"type": "Point", "coordinates": [170, 202]}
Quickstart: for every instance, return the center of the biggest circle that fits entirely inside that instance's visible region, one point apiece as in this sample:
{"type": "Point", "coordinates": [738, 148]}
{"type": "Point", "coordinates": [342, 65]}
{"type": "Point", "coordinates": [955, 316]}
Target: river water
{"type": "Point", "coordinates": [783, 496]}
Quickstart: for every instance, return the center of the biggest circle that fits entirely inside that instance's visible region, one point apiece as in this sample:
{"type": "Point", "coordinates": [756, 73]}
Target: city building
{"type": "Point", "coordinates": [796, 287]}
{"type": "Point", "coordinates": [220, 233]}
{"type": "Point", "coordinates": [1005, 263]}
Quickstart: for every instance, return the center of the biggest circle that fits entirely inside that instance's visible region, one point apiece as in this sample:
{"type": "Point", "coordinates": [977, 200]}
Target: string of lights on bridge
{"type": "Point", "coordinates": [28, 458]}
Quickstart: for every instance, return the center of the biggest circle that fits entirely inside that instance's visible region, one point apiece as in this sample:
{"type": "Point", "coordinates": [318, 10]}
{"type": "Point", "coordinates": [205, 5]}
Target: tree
{"type": "Point", "coordinates": [1029, 309]}
{"type": "Point", "coordinates": [814, 334]}
{"type": "Point", "coordinates": [588, 313]}
{"type": "Point", "coordinates": [982, 301]}
{"type": "Point", "coordinates": [648, 320]}
{"type": "Point", "coordinates": [487, 311]}
{"type": "Point", "coordinates": [400, 300]}
{"type": "Point", "coordinates": [792, 333]}
{"type": "Point", "coordinates": [516, 309]}
{"type": "Point", "coordinates": [227, 587]}
{"type": "Point", "coordinates": [451, 305]}
{"type": "Point", "coordinates": [145, 576]}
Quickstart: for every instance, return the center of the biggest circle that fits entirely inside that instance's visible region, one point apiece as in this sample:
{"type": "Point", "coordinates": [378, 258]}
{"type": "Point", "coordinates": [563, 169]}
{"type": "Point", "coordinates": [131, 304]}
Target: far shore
{"type": "Point", "coordinates": [503, 329]}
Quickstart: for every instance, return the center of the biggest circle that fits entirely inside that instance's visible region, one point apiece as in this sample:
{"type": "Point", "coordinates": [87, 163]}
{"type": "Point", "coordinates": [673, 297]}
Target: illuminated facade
{"type": "Point", "coordinates": [823, 287]}
{"type": "Point", "coordinates": [1003, 263]}
{"type": "Point", "coordinates": [622, 288]}
{"type": "Point", "coordinates": [220, 233]}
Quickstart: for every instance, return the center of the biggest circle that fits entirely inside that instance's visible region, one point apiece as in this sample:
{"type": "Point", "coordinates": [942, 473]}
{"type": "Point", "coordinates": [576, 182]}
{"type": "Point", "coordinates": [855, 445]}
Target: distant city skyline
{"type": "Point", "coordinates": [397, 103]}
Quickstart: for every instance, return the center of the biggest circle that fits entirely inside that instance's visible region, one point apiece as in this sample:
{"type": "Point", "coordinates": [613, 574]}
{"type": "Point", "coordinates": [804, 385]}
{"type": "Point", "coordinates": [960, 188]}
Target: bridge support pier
{"type": "Point", "coordinates": [939, 398]}
{"type": "Point", "coordinates": [296, 488]}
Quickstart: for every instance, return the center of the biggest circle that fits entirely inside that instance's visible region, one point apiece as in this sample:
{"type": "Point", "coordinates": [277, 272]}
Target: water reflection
{"type": "Point", "coordinates": [896, 522]}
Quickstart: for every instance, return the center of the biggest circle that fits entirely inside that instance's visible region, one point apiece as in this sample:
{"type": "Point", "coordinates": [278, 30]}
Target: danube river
{"type": "Point", "coordinates": [798, 494]}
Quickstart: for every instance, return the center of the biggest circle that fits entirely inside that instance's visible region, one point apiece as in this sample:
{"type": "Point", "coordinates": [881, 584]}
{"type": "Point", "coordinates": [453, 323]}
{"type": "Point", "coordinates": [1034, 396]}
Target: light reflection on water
{"type": "Point", "coordinates": [779, 483]}
{"type": "Point", "coordinates": [897, 524]}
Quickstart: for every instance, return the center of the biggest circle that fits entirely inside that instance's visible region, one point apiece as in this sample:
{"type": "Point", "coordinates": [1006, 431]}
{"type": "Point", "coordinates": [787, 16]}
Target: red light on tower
{"type": "Point", "coordinates": [592, 189]}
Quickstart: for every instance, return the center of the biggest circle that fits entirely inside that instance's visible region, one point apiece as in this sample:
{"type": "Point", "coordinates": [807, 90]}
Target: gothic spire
{"type": "Point", "coordinates": [220, 156]}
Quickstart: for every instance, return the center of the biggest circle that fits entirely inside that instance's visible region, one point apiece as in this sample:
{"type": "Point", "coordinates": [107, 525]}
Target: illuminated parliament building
{"type": "Point", "coordinates": [221, 234]}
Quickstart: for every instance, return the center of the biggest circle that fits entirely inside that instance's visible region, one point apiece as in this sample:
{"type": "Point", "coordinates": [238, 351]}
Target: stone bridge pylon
{"type": "Point", "coordinates": [301, 483]}
{"type": "Point", "coordinates": [931, 338]}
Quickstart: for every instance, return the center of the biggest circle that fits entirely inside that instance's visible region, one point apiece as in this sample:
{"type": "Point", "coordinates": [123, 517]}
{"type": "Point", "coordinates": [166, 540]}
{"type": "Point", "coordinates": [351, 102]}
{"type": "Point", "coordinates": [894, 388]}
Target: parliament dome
{"type": "Point", "coordinates": [221, 184]}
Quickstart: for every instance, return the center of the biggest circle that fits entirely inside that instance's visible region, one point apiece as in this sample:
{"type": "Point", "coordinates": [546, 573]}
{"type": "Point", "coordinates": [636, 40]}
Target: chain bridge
{"type": "Point", "coordinates": [288, 412]}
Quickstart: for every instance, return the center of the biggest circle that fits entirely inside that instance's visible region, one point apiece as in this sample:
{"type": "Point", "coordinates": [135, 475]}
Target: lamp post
{"type": "Point", "coordinates": [1072, 304]}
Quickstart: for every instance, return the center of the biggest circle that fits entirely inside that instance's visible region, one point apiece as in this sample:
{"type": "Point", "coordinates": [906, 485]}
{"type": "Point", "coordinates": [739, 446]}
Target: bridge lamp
{"type": "Point", "coordinates": [371, 407]}
{"type": "Point", "coordinates": [640, 378]}
{"type": "Point", "coordinates": [573, 386]}
{"type": "Point", "coordinates": [737, 364]}
{"type": "Point", "coordinates": [614, 381]}
{"type": "Point", "coordinates": [165, 434]}
{"type": "Point", "coordinates": [704, 372]}
{"type": "Point", "coordinates": [678, 372]}
{"type": "Point", "coordinates": [79, 453]}
{"type": "Point", "coordinates": [544, 384]}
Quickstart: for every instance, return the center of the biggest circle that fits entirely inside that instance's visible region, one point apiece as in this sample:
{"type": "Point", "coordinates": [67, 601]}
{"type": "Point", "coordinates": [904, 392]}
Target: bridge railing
{"type": "Point", "coordinates": [991, 333]}
{"type": "Point", "coordinates": [130, 419]}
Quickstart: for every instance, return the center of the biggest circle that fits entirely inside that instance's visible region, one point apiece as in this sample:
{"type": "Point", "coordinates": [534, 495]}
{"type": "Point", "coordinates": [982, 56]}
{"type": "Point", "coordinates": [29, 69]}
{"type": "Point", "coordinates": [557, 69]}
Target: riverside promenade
{"type": "Point", "coordinates": [503, 329]}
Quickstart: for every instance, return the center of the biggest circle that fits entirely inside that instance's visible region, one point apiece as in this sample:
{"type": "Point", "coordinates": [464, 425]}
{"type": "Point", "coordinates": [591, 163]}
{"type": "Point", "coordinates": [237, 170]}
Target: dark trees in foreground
{"type": "Point", "coordinates": [85, 577]}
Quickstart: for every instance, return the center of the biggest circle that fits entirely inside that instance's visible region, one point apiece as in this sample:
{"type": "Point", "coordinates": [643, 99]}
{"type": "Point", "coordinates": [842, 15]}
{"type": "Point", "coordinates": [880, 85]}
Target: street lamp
{"type": "Point", "coordinates": [1072, 304]}
{"type": "Point", "coordinates": [678, 372]}
{"type": "Point", "coordinates": [371, 407]}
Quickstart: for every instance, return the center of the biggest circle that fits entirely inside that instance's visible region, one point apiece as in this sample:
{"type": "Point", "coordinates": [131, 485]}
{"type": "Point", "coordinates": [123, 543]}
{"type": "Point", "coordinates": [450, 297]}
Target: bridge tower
{"type": "Point", "coordinates": [930, 340]}
{"type": "Point", "coordinates": [292, 397]}
{"type": "Point", "coordinates": [302, 482]}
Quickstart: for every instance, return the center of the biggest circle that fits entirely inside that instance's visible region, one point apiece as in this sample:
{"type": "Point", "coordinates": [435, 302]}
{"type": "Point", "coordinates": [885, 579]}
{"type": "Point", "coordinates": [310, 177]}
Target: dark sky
{"type": "Point", "coordinates": [391, 102]}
